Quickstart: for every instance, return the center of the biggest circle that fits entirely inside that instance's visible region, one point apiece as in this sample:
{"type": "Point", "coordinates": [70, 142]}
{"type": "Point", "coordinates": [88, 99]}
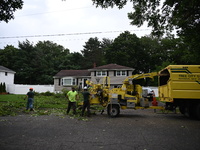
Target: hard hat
{"type": "Point", "coordinates": [85, 88]}
{"type": "Point", "coordinates": [31, 89]}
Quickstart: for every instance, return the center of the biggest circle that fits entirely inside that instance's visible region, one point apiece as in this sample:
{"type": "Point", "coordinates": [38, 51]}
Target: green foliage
{"type": "Point", "coordinates": [11, 104]}
{"type": "Point", "coordinates": [109, 3]}
{"type": "Point", "coordinates": [75, 61]}
{"type": "Point", "coordinates": [43, 105]}
{"type": "Point", "coordinates": [164, 17]}
{"type": "Point", "coordinates": [92, 53]}
{"type": "Point", "coordinates": [8, 8]}
{"type": "Point", "coordinates": [37, 64]}
{"type": "Point", "coordinates": [126, 50]}
{"type": "Point", "coordinates": [41, 102]}
{"type": "Point", "coordinates": [144, 53]}
{"type": "Point", "coordinates": [65, 91]}
{"type": "Point", "coordinates": [163, 65]}
{"type": "Point", "coordinates": [15, 104]}
{"type": "Point", "coordinates": [2, 87]}
{"type": "Point", "coordinates": [8, 109]}
{"type": "Point", "coordinates": [59, 95]}
{"type": "Point", "coordinates": [48, 59]}
{"type": "Point", "coordinates": [48, 93]}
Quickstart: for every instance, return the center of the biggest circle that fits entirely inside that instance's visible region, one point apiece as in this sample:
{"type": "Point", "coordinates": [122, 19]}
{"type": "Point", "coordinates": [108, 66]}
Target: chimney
{"type": "Point", "coordinates": [94, 65]}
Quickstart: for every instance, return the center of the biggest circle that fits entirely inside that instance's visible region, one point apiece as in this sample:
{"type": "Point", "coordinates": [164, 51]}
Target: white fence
{"type": "Point", "coordinates": [23, 89]}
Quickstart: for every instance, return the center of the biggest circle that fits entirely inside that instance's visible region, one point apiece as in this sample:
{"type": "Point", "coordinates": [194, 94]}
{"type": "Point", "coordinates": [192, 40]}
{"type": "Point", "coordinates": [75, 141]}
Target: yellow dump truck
{"type": "Point", "coordinates": [179, 86]}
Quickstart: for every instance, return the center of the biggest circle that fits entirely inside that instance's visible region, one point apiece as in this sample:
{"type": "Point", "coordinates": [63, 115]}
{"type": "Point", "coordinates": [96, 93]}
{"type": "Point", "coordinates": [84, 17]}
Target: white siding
{"type": "Point", "coordinates": [9, 79]}
{"type": "Point", "coordinates": [114, 80]}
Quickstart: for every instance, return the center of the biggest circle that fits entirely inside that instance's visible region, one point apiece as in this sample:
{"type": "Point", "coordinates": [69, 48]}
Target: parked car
{"type": "Point", "coordinates": [148, 93]}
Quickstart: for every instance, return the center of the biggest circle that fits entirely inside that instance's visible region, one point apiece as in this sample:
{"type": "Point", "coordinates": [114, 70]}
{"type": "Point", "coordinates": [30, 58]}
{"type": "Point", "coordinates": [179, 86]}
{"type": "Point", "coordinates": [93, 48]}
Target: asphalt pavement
{"type": "Point", "coordinates": [132, 130]}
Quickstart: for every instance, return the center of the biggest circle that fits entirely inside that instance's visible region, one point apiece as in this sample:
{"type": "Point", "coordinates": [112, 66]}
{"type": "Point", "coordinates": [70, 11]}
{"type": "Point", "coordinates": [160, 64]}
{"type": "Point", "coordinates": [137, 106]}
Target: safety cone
{"type": "Point", "coordinates": [154, 102]}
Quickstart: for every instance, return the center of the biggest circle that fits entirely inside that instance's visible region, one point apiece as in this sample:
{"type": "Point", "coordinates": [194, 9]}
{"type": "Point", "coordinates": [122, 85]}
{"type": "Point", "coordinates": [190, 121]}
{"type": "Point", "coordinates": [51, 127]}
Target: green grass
{"type": "Point", "coordinates": [43, 105]}
{"type": "Point", "coordinates": [55, 104]}
{"type": "Point", "coordinates": [15, 104]}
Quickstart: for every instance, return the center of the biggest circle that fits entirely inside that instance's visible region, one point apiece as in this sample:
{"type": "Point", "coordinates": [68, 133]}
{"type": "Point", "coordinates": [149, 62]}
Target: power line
{"type": "Point", "coordinates": [65, 34]}
{"type": "Point", "coordinates": [58, 40]}
{"type": "Point", "coordinates": [54, 11]}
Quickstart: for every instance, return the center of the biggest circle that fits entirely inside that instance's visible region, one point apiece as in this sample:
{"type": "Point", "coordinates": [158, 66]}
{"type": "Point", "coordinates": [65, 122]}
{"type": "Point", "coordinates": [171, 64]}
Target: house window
{"type": "Point", "coordinates": [59, 82]}
{"type": "Point", "coordinates": [101, 73]}
{"type": "Point", "coordinates": [68, 81]}
{"type": "Point", "coordinates": [121, 73]}
{"type": "Point", "coordinates": [6, 73]}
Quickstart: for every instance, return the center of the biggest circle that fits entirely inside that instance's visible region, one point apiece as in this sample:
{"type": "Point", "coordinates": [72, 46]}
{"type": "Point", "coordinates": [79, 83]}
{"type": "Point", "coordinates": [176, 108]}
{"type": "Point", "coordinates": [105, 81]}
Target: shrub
{"type": "Point", "coordinates": [65, 91]}
{"type": "Point", "coordinates": [1, 88]}
{"type": "Point", "coordinates": [48, 93]}
{"type": "Point", "coordinates": [4, 88]}
{"type": "Point", "coordinates": [36, 93]}
{"type": "Point", "coordinates": [59, 95]}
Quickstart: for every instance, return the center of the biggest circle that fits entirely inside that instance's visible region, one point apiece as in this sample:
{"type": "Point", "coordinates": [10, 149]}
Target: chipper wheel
{"type": "Point", "coordinates": [113, 110]}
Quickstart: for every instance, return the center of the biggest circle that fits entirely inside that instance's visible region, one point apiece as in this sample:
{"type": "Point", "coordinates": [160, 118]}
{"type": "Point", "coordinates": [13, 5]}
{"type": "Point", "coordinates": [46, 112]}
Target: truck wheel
{"type": "Point", "coordinates": [113, 110]}
{"type": "Point", "coordinates": [198, 111]}
{"type": "Point", "coordinates": [182, 109]}
{"type": "Point", "coordinates": [190, 111]}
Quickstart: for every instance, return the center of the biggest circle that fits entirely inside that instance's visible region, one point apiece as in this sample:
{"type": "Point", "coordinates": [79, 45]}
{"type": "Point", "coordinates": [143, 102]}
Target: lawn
{"type": "Point", "coordinates": [15, 104]}
{"type": "Point", "coordinates": [44, 104]}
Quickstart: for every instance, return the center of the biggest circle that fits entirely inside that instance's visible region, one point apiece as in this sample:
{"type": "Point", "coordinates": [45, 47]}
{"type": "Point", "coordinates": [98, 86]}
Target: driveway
{"type": "Point", "coordinates": [132, 130]}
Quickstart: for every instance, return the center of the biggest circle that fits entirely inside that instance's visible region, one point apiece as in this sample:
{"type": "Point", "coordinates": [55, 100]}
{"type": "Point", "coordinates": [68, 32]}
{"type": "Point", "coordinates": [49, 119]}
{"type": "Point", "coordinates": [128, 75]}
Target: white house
{"type": "Point", "coordinates": [68, 78]}
{"type": "Point", "coordinates": [6, 75]}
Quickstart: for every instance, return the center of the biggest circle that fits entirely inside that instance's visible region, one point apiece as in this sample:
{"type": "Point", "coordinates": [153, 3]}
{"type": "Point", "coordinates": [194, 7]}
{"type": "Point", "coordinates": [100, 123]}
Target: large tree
{"type": "Point", "coordinates": [153, 53]}
{"type": "Point", "coordinates": [127, 50]}
{"type": "Point", "coordinates": [35, 64]}
{"type": "Point", "coordinates": [26, 73]}
{"type": "Point", "coordinates": [47, 60]}
{"type": "Point", "coordinates": [8, 7]}
{"type": "Point", "coordinates": [164, 16]}
{"type": "Point", "coordinates": [183, 15]}
{"type": "Point", "coordinates": [92, 53]}
{"type": "Point", "coordinates": [9, 57]}
{"type": "Point", "coordinates": [74, 61]}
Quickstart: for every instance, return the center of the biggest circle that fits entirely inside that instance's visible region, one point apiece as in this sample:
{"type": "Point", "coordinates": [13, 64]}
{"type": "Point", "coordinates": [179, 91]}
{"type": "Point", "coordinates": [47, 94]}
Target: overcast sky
{"type": "Point", "coordinates": [69, 23]}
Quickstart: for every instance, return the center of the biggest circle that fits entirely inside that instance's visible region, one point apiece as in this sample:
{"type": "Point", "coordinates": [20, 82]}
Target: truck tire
{"type": "Point", "coordinates": [182, 109]}
{"type": "Point", "coordinates": [113, 110]}
{"type": "Point", "coordinates": [190, 111]}
{"type": "Point", "coordinates": [198, 111]}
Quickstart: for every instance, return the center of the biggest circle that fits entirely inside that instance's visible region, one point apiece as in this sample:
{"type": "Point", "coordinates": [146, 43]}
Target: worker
{"type": "Point", "coordinates": [30, 96]}
{"type": "Point", "coordinates": [86, 101]}
{"type": "Point", "coordinates": [72, 97]}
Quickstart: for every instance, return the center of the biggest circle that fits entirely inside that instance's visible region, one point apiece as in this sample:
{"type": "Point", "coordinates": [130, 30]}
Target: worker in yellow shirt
{"type": "Point", "coordinates": [72, 97]}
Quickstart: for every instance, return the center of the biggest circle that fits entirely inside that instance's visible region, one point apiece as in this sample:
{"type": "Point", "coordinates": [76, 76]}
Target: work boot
{"type": "Point", "coordinates": [88, 115]}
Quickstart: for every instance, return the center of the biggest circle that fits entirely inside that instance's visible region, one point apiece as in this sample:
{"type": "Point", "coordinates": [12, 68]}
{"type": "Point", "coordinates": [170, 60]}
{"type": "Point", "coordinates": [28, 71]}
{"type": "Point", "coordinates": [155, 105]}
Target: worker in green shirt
{"type": "Point", "coordinates": [72, 96]}
{"type": "Point", "coordinates": [86, 102]}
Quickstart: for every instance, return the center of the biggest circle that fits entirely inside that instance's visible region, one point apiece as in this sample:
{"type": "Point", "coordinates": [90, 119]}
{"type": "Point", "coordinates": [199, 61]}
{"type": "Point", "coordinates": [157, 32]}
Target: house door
{"type": "Point", "coordinates": [84, 82]}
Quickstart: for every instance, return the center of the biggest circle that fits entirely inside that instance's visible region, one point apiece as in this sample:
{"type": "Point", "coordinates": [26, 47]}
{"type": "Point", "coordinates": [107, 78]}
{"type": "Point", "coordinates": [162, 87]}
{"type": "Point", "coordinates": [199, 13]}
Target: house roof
{"type": "Point", "coordinates": [4, 69]}
{"type": "Point", "coordinates": [84, 73]}
{"type": "Point", "coordinates": [111, 67]}
{"type": "Point", "coordinates": [77, 73]}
